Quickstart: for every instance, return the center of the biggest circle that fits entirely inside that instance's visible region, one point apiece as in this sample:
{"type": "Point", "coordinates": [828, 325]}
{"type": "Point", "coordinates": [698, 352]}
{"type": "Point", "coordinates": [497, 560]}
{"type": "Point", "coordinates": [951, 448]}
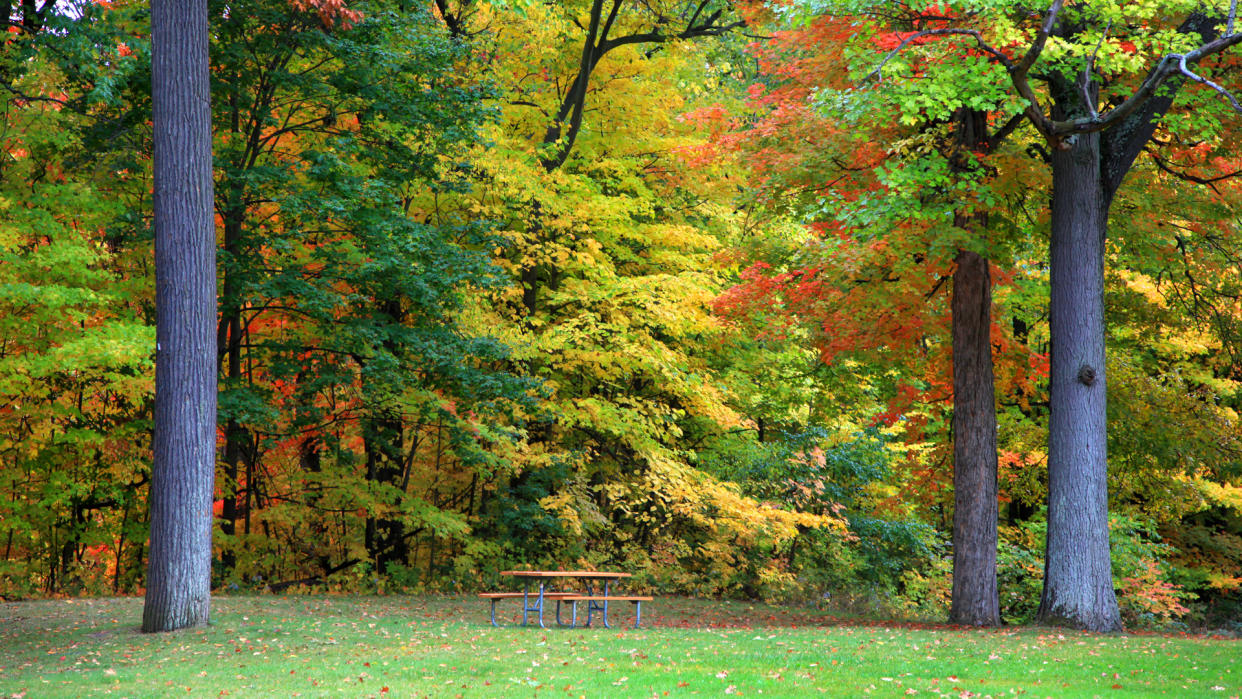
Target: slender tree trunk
{"type": "Point", "coordinates": [385, 536]}
{"type": "Point", "coordinates": [975, 597]}
{"type": "Point", "coordinates": [1078, 581]}
{"type": "Point", "coordinates": [383, 441]}
{"type": "Point", "coordinates": [234, 434]}
{"type": "Point", "coordinates": [183, 472]}
{"type": "Point", "coordinates": [120, 549]}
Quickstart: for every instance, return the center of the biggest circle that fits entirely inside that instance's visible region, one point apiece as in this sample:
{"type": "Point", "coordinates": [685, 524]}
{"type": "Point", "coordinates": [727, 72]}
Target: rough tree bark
{"type": "Point", "coordinates": [1078, 581]}
{"type": "Point", "coordinates": [975, 598]}
{"type": "Point", "coordinates": [182, 475]}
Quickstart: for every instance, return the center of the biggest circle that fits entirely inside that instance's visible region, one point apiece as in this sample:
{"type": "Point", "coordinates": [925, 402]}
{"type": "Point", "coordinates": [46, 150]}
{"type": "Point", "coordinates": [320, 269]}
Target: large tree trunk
{"type": "Point", "coordinates": [182, 475]}
{"type": "Point", "coordinates": [1078, 581]}
{"type": "Point", "coordinates": [975, 597]}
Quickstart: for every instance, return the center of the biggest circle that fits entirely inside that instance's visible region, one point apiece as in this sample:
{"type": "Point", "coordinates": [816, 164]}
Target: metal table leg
{"type": "Point", "coordinates": [526, 605]}
{"type": "Point", "coordinates": [593, 606]}
{"type": "Point", "coordinates": [607, 591]}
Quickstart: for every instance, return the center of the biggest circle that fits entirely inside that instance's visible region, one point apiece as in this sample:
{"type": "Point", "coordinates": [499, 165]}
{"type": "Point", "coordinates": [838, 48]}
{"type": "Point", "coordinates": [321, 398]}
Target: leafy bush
{"type": "Point", "coordinates": [1148, 593]}
{"type": "Point", "coordinates": [864, 563]}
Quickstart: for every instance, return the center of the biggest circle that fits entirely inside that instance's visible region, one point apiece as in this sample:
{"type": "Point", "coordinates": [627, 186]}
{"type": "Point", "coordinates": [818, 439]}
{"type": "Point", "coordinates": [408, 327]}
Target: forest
{"type": "Point", "coordinates": [794, 300]}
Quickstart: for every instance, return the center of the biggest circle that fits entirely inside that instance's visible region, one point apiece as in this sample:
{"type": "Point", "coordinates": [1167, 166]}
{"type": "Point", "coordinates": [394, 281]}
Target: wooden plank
{"type": "Point", "coordinates": [533, 595]}
{"type": "Point", "coordinates": [596, 574]}
{"type": "Point", "coordinates": [609, 598]}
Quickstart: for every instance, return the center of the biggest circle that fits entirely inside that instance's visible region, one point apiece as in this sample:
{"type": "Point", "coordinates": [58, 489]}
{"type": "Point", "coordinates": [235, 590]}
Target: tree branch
{"type": "Point", "coordinates": [525, 103]}
{"type": "Point", "coordinates": [1171, 65]}
{"type": "Point", "coordinates": [1122, 144]}
{"type": "Point", "coordinates": [1018, 74]}
{"type": "Point", "coordinates": [1005, 130]}
{"type": "Point", "coordinates": [1204, 81]}
{"type": "Point", "coordinates": [575, 99]}
{"type": "Point", "coordinates": [1182, 175]}
{"type": "Point", "coordinates": [1085, 84]}
{"type": "Point", "coordinates": [454, 21]}
{"type": "Point", "coordinates": [612, 17]}
{"type": "Point", "coordinates": [1041, 39]}
{"type": "Point", "coordinates": [597, 44]}
{"type": "Point", "coordinates": [36, 98]}
{"type": "Point", "coordinates": [658, 37]}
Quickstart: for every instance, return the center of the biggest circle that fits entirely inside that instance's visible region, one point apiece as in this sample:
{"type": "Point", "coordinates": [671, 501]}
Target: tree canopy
{"type": "Point", "coordinates": [804, 300]}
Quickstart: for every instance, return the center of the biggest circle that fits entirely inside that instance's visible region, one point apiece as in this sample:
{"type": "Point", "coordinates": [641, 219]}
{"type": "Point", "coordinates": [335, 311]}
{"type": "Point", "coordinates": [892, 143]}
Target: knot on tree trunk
{"type": "Point", "coordinates": [1086, 374]}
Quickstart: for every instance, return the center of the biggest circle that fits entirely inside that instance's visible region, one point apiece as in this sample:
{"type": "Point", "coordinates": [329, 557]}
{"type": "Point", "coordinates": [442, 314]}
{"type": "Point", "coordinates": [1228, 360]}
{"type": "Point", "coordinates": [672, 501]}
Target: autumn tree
{"type": "Point", "coordinates": [349, 381]}
{"type": "Point", "coordinates": [838, 184]}
{"type": "Point", "coordinates": [1094, 141]}
{"type": "Point", "coordinates": [74, 411]}
{"type": "Point", "coordinates": [975, 599]}
{"type": "Point", "coordinates": [609, 242]}
{"type": "Point", "coordinates": [1107, 86]}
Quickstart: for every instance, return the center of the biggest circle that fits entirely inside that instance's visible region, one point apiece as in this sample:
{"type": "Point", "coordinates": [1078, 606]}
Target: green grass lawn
{"type": "Point", "coordinates": [405, 646]}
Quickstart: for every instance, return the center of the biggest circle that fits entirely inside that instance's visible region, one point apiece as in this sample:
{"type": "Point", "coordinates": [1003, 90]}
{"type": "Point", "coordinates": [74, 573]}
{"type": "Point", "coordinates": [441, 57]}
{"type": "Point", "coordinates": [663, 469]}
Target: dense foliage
{"type": "Point", "coordinates": [661, 286]}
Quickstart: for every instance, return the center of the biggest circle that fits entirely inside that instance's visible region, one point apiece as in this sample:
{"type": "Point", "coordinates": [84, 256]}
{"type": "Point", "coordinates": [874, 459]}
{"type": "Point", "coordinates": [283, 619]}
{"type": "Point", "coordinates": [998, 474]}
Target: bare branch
{"type": "Point", "coordinates": [1185, 70]}
{"type": "Point", "coordinates": [1087, 99]}
{"type": "Point", "coordinates": [1018, 73]}
{"type": "Point", "coordinates": [1233, 15]}
{"type": "Point", "coordinates": [1169, 66]}
{"type": "Point", "coordinates": [1041, 38]}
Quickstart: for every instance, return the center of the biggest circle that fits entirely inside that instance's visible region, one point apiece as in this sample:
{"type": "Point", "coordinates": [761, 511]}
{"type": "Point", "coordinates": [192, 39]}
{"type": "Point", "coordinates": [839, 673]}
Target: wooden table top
{"type": "Point", "coordinates": [598, 574]}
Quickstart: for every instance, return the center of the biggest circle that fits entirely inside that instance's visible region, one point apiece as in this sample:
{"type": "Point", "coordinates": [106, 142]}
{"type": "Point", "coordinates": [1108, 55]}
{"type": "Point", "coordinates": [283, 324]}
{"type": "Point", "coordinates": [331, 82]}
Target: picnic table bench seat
{"type": "Point", "coordinates": [533, 601]}
{"type": "Point", "coordinates": [575, 597]}
{"type": "Point", "coordinates": [527, 598]}
{"type": "Point", "coordinates": [594, 604]}
{"type": "Point", "coordinates": [508, 595]}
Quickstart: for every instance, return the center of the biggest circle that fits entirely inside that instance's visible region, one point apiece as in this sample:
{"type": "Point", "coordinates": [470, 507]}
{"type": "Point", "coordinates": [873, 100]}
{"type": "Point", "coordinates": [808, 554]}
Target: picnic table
{"type": "Point", "coordinates": [533, 601]}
